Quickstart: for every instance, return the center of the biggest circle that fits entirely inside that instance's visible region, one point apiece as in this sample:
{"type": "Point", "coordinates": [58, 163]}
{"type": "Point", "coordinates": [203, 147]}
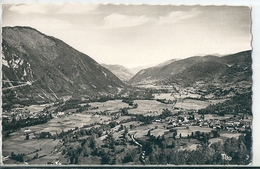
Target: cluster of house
{"type": "Point", "coordinates": [228, 123]}
{"type": "Point", "coordinates": [22, 113]}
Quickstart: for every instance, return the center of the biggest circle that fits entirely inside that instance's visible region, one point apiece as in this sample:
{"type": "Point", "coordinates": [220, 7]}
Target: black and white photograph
{"type": "Point", "coordinates": [126, 84]}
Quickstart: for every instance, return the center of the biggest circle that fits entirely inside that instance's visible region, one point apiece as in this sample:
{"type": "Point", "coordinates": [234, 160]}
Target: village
{"type": "Point", "coordinates": [180, 117]}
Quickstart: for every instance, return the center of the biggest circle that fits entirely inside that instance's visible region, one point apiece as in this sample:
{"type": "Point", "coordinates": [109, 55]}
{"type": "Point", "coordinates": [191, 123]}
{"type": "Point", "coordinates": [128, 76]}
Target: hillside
{"type": "Point", "coordinates": [208, 68]}
{"type": "Point", "coordinates": [41, 67]}
{"type": "Point", "coordinates": [121, 72]}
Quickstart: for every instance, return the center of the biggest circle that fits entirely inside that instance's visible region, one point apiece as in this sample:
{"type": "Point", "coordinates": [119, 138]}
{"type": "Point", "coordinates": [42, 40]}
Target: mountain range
{"type": "Point", "coordinates": [42, 67]}
{"type": "Point", "coordinates": [209, 68]}
{"type": "Point", "coordinates": [121, 72]}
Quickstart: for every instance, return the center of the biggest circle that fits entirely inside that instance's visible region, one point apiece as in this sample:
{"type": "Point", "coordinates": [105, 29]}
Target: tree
{"type": "Point", "coordinates": [173, 144]}
{"type": "Point", "coordinates": [121, 127]}
{"type": "Point", "coordinates": [110, 141]}
{"type": "Point", "coordinates": [215, 133]}
{"type": "Point", "coordinates": [93, 142]}
{"type": "Point", "coordinates": [242, 155]}
{"type": "Point", "coordinates": [132, 126]}
{"type": "Point", "coordinates": [174, 135]}
{"type": "Point", "coordinates": [153, 159]}
{"type": "Point", "coordinates": [127, 158]}
{"type": "Point", "coordinates": [163, 138]}
{"type": "Point", "coordinates": [36, 156]}
{"type": "Point", "coordinates": [149, 133]}
{"type": "Point", "coordinates": [197, 133]}
{"type": "Point", "coordinates": [27, 137]}
{"type": "Point", "coordinates": [206, 138]}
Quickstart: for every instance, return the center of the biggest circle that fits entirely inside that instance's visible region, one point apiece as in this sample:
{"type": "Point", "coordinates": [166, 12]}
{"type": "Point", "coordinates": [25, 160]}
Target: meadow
{"type": "Point", "coordinates": [145, 106]}
{"type": "Point", "coordinates": [18, 145]}
{"type": "Point", "coordinates": [192, 104]}
{"type": "Point", "coordinates": [111, 105]}
{"type": "Point", "coordinates": [36, 108]}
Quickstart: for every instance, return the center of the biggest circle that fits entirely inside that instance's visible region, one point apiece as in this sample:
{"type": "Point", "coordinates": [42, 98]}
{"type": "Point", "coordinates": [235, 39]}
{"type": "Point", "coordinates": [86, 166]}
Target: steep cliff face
{"type": "Point", "coordinates": [38, 67]}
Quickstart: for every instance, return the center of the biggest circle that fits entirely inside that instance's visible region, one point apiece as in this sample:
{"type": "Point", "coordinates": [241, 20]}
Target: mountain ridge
{"type": "Point", "coordinates": [197, 67]}
{"type": "Point", "coordinates": [52, 66]}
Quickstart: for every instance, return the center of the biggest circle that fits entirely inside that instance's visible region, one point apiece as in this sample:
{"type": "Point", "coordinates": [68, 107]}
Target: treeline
{"type": "Point", "coordinates": [238, 104]}
{"type": "Point", "coordinates": [141, 94]}
{"type": "Point", "coordinates": [17, 157]}
{"type": "Point", "coordinates": [17, 124]}
{"type": "Point", "coordinates": [238, 149]}
{"type": "Point", "coordinates": [145, 119]}
{"type": "Point", "coordinates": [9, 99]}
{"type": "Point", "coordinates": [72, 104]}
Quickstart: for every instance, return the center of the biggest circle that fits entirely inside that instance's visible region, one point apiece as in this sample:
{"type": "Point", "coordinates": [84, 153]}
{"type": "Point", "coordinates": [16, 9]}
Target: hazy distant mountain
{"type": "Point", "coordinates": [138, 68]}
{"type": "Point", "coordinates": [187, 71]}
{"type": "Point", "coordinates": [158, 73]}
{"type": "Point", "coordinates": [135, 70]}
{"type": "Point", "coordinates": [120, 71]}
{"type": "Point", "coordinates": [46, 68]}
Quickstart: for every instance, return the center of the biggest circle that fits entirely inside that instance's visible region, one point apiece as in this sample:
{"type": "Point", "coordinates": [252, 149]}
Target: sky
{"type": "Point", "coordinates": [138, 35]}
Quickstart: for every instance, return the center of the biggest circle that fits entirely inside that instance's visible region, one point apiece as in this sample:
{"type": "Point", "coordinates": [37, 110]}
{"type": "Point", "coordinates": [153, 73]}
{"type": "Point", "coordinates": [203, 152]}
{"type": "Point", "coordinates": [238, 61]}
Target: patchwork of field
{"type": "Point", "coordinates": [145, 106]}
{"type": "Point", "coordinates": [17, 144]}
{"type": "Point", "coordinates": [175, 95]}
{"type": "Point", "coordinates": [67, 122]}
{"type": "Point", "coordinates": [62, 123]}
{"type": "Point", "coordinates": [217, 101]}
{"type": "Point", "coordinates": [215, 116]}
{"type": "Point", "coordinates": [111, 105]}
{"type": "Point", "coordinates": [158, 132]}
{"type": "Point", "coordinates": [192, 104]}
{"type": "Point", "coordinates": [188, 147]}
{"type": "Point", "coordinates": [36, 108]}
{"type": "Point", "coordinates": [230, 135]}
{"type": "Point", "coordinates": [185, 131]}
{"type": "Point", "coordinates": [141, 131]}
{"type": "Point", "coordinates": [166, 96]}
{"type": "Point", "coordinates": [215, 140]}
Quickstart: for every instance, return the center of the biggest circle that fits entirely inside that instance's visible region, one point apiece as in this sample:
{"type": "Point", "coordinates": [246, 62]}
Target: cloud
{"type": "Point", "coordinates": [24, 9]}
{"type": "Point", "coordinates": [77, 8]}
{"type": "Point", "coordinates": [58, 9]}
{"type": "Point", "coordinates": [176, 16]}
{"type": "Point", "coordinates": [116, 20]}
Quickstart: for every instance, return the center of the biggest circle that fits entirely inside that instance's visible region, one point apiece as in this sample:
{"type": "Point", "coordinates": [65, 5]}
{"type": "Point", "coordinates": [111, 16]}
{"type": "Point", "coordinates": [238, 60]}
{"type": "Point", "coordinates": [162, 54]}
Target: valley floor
{"type": "Point", "coordinates": [154, 131]}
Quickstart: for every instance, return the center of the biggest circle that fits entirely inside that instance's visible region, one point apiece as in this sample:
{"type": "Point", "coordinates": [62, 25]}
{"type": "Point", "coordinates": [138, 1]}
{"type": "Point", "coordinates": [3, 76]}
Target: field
{"type": "Point", "coordinates": [192, 104]}
{"type": "Point", "coordinates": [36, 108]}
{"type": "Point", "coordinates": [215, 116]}
{"type": "Point", "coordinates": [185, 131]}
{"type": "Point", "coordinates": [144, 106]}
{"type": "Point", "coordinates": [67, 122]}
{"type": "Point", "coordinates": [111, 105]}
{"type": "Point", "coordinates": [217, 101]}
{"type": "Point", "coordinates": [166, 96]}
{"type": "Point", "coordinates": [230, 135]}
{"type": "Point", "coordinates": [18, 145]}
